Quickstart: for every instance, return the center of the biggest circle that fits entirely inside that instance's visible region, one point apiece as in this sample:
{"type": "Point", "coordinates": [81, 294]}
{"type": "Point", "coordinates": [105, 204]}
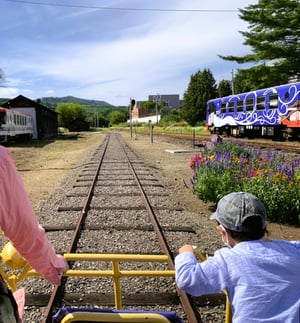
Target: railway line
{"type": "Point", "coordinates": [201, 140]}
{"type": "Point", "coordinates": [104, 208]}
{"type": "Point", "coordinates": [115, 204]}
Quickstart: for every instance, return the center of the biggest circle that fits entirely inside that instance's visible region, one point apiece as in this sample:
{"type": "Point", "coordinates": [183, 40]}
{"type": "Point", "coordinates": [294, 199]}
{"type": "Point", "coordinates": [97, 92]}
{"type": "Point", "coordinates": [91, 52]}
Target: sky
{"type": "Point", "coordinates": [116, 50]}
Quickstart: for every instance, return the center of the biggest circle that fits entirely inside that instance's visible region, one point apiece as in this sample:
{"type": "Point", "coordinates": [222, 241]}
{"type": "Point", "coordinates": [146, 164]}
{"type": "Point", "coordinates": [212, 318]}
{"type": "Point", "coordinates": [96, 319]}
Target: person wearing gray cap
{"type": "Point", "coordinates": [261, 277]}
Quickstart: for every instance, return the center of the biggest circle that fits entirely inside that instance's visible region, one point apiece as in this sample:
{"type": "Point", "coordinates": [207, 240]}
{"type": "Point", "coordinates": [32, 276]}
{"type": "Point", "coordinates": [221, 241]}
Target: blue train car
{"type": "Point", "coordinates": [14, 125]}
{"type": "Point", "coordinates": [272, 112]}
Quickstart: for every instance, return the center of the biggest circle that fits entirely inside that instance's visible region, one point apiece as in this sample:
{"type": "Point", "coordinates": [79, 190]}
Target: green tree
{"type": "Point", "coordinates": [148, 106]}
{"type": "Point", "coordinates": [67, 112]}
{"type": "Point", "coordinates": [116, 117]}
{"type": "Point", "coordinates": [224, 88]}
{"type": "Point", "coordinates": [201, 88]}
{"type": "Point", "coordinates": [274, 37]}
{"type": "Point", "coordinates": [102, 122]}
{"type": "Point", "coordinates": [96, 120]}
{"type": "Point", "coordinates": [242, 81]}
{"type": "Point", "coordinates": [170, 116]}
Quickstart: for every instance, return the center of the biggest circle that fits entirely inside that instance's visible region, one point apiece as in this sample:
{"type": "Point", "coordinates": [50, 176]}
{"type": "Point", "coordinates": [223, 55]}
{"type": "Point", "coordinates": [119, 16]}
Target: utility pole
{"type": "Point", "coordinates": [157, 99]}
{"type": "Point", "coordinates": [131, 105]}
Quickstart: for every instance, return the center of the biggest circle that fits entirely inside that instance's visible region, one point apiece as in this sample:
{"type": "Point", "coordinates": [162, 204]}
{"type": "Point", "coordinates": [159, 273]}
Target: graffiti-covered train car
{"type": "Point", "coordinates": [273, 112]}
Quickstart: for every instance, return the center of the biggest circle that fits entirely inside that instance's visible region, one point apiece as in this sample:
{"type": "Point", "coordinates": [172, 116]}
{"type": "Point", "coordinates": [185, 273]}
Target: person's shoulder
{"type": "Point", "coordinates": [4, 153]}
{"type": "Point", "coordinates": [224, 252]}
{"type": "Point", "coordinates": [4, 150]}
{"type": "Point", "coordinates": [286, 244]}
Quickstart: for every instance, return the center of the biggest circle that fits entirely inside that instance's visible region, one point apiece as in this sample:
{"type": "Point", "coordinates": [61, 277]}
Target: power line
{"type": "Point", "coordinates": [120, 8]}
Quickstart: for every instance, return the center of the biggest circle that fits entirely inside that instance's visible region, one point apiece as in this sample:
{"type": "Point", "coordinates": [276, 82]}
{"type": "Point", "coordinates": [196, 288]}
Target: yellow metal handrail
{"type": "Point", "coordinates": [114, 317]}
{"type": "Point", "coordinates": [116, 272]}
{"type": "Point", "coordinates": [13, 278]}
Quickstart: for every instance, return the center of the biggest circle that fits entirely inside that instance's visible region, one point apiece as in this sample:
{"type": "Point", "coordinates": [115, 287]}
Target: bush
{"type": "Point", "coordinates": [228, 167]}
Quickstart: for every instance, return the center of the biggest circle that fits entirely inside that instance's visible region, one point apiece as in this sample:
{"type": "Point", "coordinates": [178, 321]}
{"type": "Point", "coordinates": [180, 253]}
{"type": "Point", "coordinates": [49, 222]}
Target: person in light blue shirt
{"type": "Point", "coordinates": [261, 277]}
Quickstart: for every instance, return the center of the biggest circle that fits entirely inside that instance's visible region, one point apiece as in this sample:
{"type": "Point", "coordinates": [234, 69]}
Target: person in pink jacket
{"type": "Point", "coordinates": [20, 225]}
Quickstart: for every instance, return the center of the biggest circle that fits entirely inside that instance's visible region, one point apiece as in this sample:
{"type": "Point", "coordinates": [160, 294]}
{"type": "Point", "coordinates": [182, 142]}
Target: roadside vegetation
{"type": "Point", "coordinates": [172, 127]}
{"type": "Point", "coordinates": [270, 175]}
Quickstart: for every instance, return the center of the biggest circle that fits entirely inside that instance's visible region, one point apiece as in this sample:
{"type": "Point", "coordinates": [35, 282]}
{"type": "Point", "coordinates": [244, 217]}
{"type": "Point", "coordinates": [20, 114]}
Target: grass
{"type": "Point", "coordinates": [43, 164]}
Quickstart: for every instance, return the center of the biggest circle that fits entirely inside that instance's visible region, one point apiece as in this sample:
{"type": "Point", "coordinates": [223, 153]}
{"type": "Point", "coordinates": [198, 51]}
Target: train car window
{"type": "Point", "coordinates": [223, 107]}
{"type": "Point", "coordinates": [15, 119]}
{"type": "Point", "coordinates": [240, 106]}
{"type": "Point", "coordinates": [2, 117]}
{"type": "Point", "coordinates": [273, 101]}
{"type": "Point", "coordinates": [211, 107]}
{"type": "Point", "coordinates": [231, 107]}
{"type": "Point", "coordinates": [260, 103]}
{"type": "Point", "coordinates": [287, 96]}
{"type": "Point", "coordinates": [249, 104]}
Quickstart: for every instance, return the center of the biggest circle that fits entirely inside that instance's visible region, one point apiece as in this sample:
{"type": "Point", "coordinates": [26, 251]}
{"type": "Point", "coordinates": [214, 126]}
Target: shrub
{"type": "Point", "coordinates": [228, 167]}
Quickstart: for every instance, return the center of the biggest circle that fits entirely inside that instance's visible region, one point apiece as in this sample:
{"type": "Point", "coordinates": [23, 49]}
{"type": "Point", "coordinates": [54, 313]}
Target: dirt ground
{"type": "Point", "coordinates": [43, 169]}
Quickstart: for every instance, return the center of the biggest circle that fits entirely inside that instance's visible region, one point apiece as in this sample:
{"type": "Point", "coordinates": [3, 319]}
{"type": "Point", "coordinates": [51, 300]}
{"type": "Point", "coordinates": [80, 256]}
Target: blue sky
{"type": "Point", "coordinates": [114, 50]}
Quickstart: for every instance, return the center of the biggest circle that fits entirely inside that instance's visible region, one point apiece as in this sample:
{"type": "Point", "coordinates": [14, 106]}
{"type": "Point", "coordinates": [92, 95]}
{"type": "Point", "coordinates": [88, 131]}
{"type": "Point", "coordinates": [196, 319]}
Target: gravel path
{"type": "Point", "coordinates": [171, 160]}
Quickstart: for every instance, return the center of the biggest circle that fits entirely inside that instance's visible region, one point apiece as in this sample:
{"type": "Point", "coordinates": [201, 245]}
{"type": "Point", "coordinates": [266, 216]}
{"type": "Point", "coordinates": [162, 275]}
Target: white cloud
{"type": "Point", "coordinates": [144, 56]}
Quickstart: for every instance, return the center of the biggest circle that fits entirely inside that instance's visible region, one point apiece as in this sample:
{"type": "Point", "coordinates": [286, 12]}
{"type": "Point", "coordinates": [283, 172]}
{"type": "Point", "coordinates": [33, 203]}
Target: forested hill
{"type": "Point", "coordinates": [51, 102]}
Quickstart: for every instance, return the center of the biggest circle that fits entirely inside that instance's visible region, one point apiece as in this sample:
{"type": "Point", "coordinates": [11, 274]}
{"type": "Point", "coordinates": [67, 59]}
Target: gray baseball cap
{"type": "Point", "coordinates": [233, 209]}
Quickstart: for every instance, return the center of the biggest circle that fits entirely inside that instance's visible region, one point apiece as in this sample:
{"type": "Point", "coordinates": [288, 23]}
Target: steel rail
{"type": "Point", "coordinates": [191, 313]}
{"type": "Point", "coordinates": [184, 299]}
{"type": "Point", "coordinates": [202, 140]}
{"type": "Point", "coordinates": [47, 315]}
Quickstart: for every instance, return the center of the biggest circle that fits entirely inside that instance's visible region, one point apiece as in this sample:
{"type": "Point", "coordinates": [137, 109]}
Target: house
{"type": "Point", "coordinates": [171, 101]}
{"type": "Point", "coordinates": [138, 112]}
{"type": "Point", "coordinates": [143, 116]}
{"type": "Point", "coordinates": [45, 123]}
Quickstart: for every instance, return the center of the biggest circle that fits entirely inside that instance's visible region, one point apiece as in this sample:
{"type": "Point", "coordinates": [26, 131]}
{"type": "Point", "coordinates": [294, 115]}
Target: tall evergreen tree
{"type": "Point", "coordinates": [201, 88]}
{"type": "Point", "coordinates": [225, 88]}
{"type": "Point", "coordinates": [274, 36]}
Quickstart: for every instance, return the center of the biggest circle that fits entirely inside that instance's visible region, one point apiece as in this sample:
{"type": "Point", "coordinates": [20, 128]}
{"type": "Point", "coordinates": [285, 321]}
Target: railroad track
{"type": "Point", "coordinates": [115, 204]}
{"type": "Point", "coordinates": [105, 195]}
{"type": "Point", "coordinates": [200, 140]}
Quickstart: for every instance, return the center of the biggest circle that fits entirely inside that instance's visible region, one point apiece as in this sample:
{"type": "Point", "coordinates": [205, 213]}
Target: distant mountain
{"type": "Point", "coordinates": [3, 100]}
{"type": "Point", "coordinates": [52, 102]}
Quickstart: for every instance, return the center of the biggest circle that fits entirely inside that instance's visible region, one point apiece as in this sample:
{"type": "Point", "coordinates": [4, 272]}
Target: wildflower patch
{"type": "Point", "coordinates": [228, 167]}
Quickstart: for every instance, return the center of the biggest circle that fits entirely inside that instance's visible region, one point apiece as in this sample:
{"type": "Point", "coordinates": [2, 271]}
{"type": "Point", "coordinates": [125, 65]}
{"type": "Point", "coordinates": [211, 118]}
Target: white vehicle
{"type": "Point", "coordinates": [14, 125]}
